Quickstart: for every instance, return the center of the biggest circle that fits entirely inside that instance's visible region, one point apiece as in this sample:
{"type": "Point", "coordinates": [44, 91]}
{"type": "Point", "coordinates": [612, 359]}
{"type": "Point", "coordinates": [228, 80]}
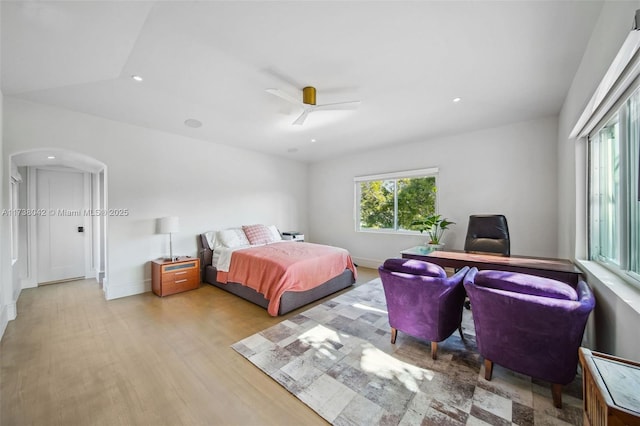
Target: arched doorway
{"type": "Point", "coordinates": [62, 234]}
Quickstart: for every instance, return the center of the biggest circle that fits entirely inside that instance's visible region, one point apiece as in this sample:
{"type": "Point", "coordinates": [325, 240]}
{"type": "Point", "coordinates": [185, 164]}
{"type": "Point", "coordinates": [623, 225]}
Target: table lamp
{"type": "Point", "coordinates": [169, 225]}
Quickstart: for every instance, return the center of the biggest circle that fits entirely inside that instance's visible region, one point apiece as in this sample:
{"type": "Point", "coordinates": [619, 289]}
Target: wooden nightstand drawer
{"type": "Point", "coordinates": [180, 276]}
{"type": "Point", "coordinates": [183, 284]}
{"type": "Point", "coordinates": [180, 266]}
{"type": "Point", "coordinates": [169, 277]}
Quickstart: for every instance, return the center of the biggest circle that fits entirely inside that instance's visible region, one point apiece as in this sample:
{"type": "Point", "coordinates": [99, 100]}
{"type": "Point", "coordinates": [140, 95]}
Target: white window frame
{"type": "Point", "coordinates": [618, 85]}
{"type": "Point", "coordinates": [418, 173]}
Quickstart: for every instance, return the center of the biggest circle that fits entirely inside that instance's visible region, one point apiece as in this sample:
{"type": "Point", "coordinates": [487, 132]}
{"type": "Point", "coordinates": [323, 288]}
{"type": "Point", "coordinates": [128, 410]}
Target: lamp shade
{"type": "Point", "coordinates": [168, 225]}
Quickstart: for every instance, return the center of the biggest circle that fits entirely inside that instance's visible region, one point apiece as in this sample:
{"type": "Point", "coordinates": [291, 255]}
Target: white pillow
{"type": "Point", "coordinates": [211, 238]}
{"type": "Point", "coordinates": [275, 232]}
{"type": "Point", "coordinates": [231, 238]}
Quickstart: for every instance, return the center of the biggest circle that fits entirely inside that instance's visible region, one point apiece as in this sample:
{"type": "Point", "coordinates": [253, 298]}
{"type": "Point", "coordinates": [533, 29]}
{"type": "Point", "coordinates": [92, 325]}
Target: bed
{"type": "Point", "coordinates": [298, 272]}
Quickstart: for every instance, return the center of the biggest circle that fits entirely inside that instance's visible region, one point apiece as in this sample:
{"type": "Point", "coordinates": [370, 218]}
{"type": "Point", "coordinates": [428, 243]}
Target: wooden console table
{"type": "Point", "coordinates": [611, 389]}
{"type": "Point", "coordinates": [559, 269]}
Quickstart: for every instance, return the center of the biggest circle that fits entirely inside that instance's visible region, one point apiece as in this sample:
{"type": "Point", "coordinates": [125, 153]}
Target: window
{"type": "Point", "coordinates": [614, 193]}
{"type": "Point", "coordinates": [395, 201]}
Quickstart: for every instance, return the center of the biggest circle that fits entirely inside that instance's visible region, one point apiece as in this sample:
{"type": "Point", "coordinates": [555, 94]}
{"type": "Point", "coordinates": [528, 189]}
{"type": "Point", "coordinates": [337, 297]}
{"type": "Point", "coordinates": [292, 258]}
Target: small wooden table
{"type": "Point", "coordinates": [559, 269]}
{"type": "Point", "coordinates": [610, 388]}
{"type": "Point", "coordinates": [175, 276]}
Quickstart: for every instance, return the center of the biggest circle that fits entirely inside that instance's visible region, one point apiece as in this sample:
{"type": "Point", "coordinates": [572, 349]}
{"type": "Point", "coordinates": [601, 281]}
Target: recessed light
{"type": "Point", "coordinates": [137, 77]}
{"type": "Point", "coordinates": [192, 122]}
{"type": "Point", "coordinates": [51, 157]}
{"type": "Point", "coordinates": [456, 100]}
{"type": "Point", "coordinates": [313, 140]}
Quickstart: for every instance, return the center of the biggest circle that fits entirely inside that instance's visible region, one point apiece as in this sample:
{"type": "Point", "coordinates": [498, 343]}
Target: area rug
{"type": "Point", "coordinates": [337, 358]}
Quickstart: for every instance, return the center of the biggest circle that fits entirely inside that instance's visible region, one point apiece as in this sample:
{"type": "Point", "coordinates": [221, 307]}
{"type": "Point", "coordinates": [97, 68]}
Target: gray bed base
{"type": "Point", "coordinates": [289, 301]}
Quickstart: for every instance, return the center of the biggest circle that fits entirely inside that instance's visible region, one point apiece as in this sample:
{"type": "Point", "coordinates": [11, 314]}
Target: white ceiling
{"type": "Point", "coordinates": [212, 61]}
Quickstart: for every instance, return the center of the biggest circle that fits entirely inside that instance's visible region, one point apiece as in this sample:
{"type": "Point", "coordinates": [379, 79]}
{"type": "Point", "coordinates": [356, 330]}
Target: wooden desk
{"type": "Point", "coordinates": [559, 269]}
{"type": "Point", "coordinates": [611, 389]}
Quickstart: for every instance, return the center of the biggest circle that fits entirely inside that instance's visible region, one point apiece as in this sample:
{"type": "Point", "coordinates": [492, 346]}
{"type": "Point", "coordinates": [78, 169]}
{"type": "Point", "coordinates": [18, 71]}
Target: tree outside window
{"type": "Point", "coordinates": [395, 204]}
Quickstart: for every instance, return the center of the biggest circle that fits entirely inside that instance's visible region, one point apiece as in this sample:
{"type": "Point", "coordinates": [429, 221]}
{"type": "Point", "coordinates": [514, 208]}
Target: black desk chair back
{"type": "Point", "coordinates": [488, 233]}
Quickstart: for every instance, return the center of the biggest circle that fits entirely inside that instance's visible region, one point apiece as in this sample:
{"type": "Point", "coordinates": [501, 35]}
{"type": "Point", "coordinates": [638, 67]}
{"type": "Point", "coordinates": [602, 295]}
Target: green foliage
{"type": "Point", "coordinates": [376, 204]}
{"type": "Point", "coordinates": [435, 225]}
{"type": "Point", "coordinates": [416, 197]}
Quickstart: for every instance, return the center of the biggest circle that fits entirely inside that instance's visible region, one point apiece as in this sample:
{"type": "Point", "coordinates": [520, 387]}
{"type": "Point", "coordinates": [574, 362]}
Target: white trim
{"type": "Point", "coordinates": [11, 310]}
{"type": "Point", "coordinates": [32, 235]}
{"type": "Point", "coordinates": [130, 289]}
{"type": "Point", "coordinates": [432, 171]}
{"type": "Point", "coordinates": [4, 321]}
{"type": "Point", "coordinates": [87, 223]}
{"type": "Point", "coordinates": [28, 283]}
{"type": "Point", "coordinates": [15, 174]}
{"type": "Point", "coordinates": [8, 313]}
{"type": "Point", "coordinates": [622, 72]}
{"type": "Point", "coordinates": [618, 285]}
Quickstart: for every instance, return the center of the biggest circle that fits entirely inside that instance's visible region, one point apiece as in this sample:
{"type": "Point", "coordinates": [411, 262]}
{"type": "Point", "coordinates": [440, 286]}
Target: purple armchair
{"type": "Point", "coordinates": [529, 324]}
{"type": "Point", "coordinates": [421, 300]}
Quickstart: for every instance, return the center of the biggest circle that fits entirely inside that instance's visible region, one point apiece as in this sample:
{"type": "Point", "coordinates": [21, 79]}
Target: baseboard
{"type": "Point", "coordinates": [4, 321]}
{"type": "Point", "coordinates": [12, 311]}
{"type": "Point", "coordinates": [118, 291]}
{"type": "Point", "coordinates": [7, 313]}
{"type": "Point", "coordinates": [28, 284]}
{"type": "Point", "coordinates": [367, 263]}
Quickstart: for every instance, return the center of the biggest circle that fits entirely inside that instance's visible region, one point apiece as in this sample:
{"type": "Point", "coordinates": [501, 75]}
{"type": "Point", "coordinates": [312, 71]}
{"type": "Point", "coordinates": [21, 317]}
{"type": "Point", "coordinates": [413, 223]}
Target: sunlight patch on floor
{"type": "Point", "coordinates": [375, 361]}
{"type": "Point", "coordinates": [322, 339]}
{"type": "Point", "coordinates": [369, 308]}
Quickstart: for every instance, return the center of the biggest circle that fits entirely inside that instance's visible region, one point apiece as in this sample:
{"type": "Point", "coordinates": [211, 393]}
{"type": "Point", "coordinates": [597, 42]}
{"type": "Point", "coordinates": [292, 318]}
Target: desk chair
{"type": "Point", "coordinates": [488, 234]}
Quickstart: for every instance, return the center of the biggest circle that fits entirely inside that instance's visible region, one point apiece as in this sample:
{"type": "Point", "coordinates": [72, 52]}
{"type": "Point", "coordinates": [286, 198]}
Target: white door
{"type": "Point", "coordinates": [61, 246]}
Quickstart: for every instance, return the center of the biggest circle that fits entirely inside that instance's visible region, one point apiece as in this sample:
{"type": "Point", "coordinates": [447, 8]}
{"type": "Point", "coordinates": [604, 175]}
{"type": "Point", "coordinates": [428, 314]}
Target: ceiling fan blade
{"type": "Point", "coordinates": [338, 106]}
{"type": "Point", "coordinates": [300, 120]}
{"type": "Point", "coordinates": [286, 97]}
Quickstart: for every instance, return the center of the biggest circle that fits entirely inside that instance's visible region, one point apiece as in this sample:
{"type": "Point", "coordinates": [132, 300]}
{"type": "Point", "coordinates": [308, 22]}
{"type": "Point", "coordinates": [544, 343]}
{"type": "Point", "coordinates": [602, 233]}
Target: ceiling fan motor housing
{"type": "Point", "coordinates": [309, 95]}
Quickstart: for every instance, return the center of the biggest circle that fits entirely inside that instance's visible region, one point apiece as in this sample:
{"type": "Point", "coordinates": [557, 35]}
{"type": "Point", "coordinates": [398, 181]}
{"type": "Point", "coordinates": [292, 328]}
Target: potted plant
{"type": "Point", "coordinates": [435, 225]}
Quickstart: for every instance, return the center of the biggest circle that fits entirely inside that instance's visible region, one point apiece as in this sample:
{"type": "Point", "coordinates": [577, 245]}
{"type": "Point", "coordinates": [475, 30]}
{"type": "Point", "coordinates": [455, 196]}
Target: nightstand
{"type": "Point", "coordinates": [610, 389]}
{"type": "Point", "coordinates": [169, 277]}
{"type": "Point", "coordinates": [293, 236]}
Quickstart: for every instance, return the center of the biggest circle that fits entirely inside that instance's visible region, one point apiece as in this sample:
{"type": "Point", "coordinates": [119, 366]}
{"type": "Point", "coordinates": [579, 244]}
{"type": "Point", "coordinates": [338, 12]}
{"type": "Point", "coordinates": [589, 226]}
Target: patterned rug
{"type": "Point", "coordinates": [337, 358]}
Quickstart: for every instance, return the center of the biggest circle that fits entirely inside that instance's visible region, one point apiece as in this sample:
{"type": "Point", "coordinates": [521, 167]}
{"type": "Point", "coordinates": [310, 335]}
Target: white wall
{"type": "Point", "coordinates": [509, 170]}
{"type": "Point", "coordinates": [5, 256]}
{"type": "Point", "coordinates": [7, 305]}
{"type": "Point", "coordinates": [615, 317]}
{"type": "Point", "coordinates": [155, 174]}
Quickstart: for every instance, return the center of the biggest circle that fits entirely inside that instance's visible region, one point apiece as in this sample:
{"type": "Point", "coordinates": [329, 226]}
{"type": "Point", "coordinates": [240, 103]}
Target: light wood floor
{"type": "Point", "coordinates": [72, 358]}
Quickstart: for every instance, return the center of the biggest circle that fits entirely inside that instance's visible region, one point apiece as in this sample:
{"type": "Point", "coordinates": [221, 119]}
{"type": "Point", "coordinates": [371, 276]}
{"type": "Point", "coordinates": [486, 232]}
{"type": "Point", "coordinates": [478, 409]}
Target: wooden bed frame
{"type": "Point", "coordinates": [289, 301]}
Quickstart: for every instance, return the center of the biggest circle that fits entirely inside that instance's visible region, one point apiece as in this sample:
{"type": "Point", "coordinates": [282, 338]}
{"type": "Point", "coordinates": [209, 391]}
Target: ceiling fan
{"type": "Point", "coordinates": [308, 103]}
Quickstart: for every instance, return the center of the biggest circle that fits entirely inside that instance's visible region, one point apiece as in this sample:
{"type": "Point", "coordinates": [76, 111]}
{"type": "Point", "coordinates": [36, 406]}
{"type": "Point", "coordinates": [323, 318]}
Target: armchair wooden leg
{"type": "Point", "coordinates": [434, 350]}
{"type": "Point", "coordinates": [488, 369]}
{"type": "Point", "coordinates": [460, 331]}
{"type": "Point", "coordinates": [556, 393]}
{"type": "Point", "coordinates": [394, 334]}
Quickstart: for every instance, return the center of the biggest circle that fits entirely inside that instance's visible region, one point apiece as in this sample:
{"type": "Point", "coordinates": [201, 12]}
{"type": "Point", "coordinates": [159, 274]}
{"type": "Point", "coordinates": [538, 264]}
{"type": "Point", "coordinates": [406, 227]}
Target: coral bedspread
{"type": "Point", "coordinates": [275, 268]}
